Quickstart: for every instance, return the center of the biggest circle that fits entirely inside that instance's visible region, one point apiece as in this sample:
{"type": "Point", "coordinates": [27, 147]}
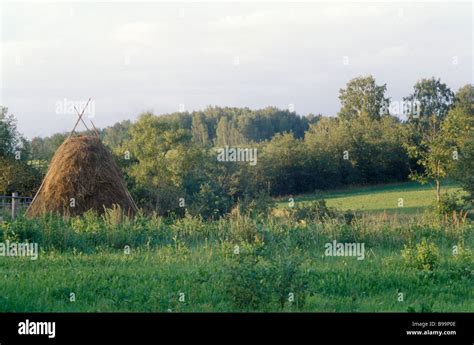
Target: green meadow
{"type": "Point", "coordinates": [416, 198]}
{"type": "Point", "coordinates": [274, 262]}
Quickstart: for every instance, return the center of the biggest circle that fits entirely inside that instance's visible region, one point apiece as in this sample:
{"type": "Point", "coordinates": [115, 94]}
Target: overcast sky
{"type": "Point", "coordinates": [132, 57]}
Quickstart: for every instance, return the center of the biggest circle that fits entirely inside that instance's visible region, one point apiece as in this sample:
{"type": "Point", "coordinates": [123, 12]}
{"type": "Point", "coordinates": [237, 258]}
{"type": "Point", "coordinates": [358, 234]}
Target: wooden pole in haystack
{"type": "Point", "coordinates": [80, 118]}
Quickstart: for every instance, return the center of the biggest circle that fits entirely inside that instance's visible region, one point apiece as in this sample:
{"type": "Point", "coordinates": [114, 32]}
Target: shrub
{"type": "Point", "coordinates": [244, 229]}
{"type": "Point", "coordinates": [450, 203]}
{"type": "Point", "coordinates": [424, 255]}
{"type": "Point", "coordinates": [211, 202]}
{"type": "Point", "coordinates": [262, 277]}
{"type": "Point", "coordinates": [259, 205]}
{"type": "Point", "coordinates": [315, 210]}
{"type": "Point", "coordinates": [463, 260]}
{"type": "Point", "coordinates": [248, 281]}
{"type": "Point", "coordinates": [289, 278]}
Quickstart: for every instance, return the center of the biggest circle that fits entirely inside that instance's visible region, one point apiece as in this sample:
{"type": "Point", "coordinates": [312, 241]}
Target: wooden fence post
{"type": "Point", "coordinates": [14, 198]}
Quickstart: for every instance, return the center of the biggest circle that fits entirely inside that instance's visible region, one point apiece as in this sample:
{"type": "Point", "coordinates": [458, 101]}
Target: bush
{"type": "Point", "coordinates": [259, 205]}
{"type": "Point", "coordinates": [289, 278]}
{"type": "Point", "coordinates": [463, 260]}
{"type": "Point", "coordinates": [244, 229]}
{"type": "Point", "coordinates": [263, 276]}
{"type": "Point", "coordinates": [249, 281]}
{"type": "Point", "coordinates": [424, 255]}
{"type": "Point", "coordinates": [211, 202]}
{"type": "Point", "coordinates": [314, 210]}
{"type": "Point", "coordinates": [450, 203]}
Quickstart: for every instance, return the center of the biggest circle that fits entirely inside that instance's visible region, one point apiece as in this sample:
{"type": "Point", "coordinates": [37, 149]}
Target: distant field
{"type": "Point", "coordinates": [416, 197]}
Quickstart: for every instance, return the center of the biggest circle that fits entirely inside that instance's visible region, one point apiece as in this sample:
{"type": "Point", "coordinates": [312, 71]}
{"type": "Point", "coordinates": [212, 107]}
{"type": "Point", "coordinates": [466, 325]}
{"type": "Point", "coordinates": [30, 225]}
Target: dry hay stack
{"type": "Point", "coordinates": [82, 168]}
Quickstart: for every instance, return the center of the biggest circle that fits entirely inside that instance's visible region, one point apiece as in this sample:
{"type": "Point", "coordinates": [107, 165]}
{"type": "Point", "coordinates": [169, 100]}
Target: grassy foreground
{"type": "Point", "coordinates": [240, 263]}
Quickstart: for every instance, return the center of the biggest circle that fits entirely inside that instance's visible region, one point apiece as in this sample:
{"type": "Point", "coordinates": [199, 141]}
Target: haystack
{"type": "Point", "coordinates": [82, 176]}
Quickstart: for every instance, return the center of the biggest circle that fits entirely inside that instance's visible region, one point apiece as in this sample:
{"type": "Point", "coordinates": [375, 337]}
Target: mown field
{"type": "Point", "coordinates": [248, 262]}
{"type": "Point", "coordinates": [379, 198]}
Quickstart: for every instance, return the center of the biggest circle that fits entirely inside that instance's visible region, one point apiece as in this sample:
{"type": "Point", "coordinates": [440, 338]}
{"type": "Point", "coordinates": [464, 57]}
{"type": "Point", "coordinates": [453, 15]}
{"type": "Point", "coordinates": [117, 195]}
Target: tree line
{"type": "Point", "coordinates": [170, 161]}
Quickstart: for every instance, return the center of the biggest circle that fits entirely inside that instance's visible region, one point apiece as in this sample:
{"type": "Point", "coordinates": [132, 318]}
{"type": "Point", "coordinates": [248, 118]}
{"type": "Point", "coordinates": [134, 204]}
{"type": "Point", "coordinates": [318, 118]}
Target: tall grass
{"type": "Point", "coordinates": [237, 263]}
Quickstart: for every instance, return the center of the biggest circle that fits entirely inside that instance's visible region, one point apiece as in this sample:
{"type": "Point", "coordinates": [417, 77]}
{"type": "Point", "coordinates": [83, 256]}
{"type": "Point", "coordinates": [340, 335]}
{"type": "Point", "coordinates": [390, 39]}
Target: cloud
{"type": "Point", "coordinates": [145, 33]}
{"type": "Point", "coordinates": [131, 58]}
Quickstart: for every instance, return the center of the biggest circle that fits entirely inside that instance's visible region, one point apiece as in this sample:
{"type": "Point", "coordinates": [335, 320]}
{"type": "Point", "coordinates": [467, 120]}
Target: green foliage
{"type": "Point", "coordinates": [43, 149]}
{"type": "Point", "coordinates": [362, 98]}
{"type": "Point", "coordinates": [255, 206]}
{"type": "Point", "coordinates": [115, 136]}
{"type": "Point", "coordinates": [357, 151]}
{"type": "Point", "coordinates": [169, 160]}
{"type": "Point", "coordinates": [424, 256]}
{"type": "Point", "coordinates": [86, 255]}
{"type": "Point", "coordinates": [449, 203]}
{"type": "Point", "coordinates": [459, 126]}
{"type": "Point", "coordinates": [314, 210]}
{"type": "Point", "coordinates": [282, 161]}
{"type": "Point", "coordinates": [210, 201]}
{"type": "Point", "coordinates": [249, 281]}
{"type": "Point", "coordinates": [16, 175]}
{"type": "Point", "coordinates": [434, 99]}
{"type": "Point", "coordinates": [465, 167]}
{"type": "Point", "coordinates": [9, 137]}
{"type": "Point", "coordinates": [289, 280]}
{"type": "Point", "coordinates": [463, 262]}
{"type": "Point", "coordinates": [429, 140]}
{"type": "Point", "coordinates": [257, 278]}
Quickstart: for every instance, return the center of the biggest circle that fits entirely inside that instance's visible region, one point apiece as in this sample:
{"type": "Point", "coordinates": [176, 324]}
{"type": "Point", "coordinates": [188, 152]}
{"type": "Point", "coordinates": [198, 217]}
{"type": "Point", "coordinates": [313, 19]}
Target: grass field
{"type": "Point", "coordinates": [244, 263]}
{"type": "Point", "coordinates": [416, 198]}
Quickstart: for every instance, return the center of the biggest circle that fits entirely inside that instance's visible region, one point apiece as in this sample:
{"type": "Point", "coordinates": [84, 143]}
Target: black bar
{"type": "Point", "coordinates": [251, 328]}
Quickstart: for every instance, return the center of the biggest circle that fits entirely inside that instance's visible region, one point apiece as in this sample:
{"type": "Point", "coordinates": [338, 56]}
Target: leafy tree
{"type": "Point", "coordinates": [117, 134]}
{"type": "Point", "coordinates": [426, 141]}
{"type": "Point", "coordinates": [159, 149]}
{"type": "Point", "coordinates": [363, 97]}
{"type": "Point", "coordinates": [283, 161]}
{"type": "Point", "coordinates": [430, 98]}
{"type": "Point", "coordinates": [228, 134]}
{"type": "Point", "coordinates": [356, 151]}
{"type": "Point", "coordinates": [200, 130]}
{"type": "Point", "coordinates": [18, 176]}
{"type": "Point", "coordinates": [43, 149]}
{"type": "Point", "coordinates": [171, 173]}
{"type": "Point", "coordinates": [459, 128]}
{"type": "Point", "coordinates": [325, 143]}
{"type": "Point", "coordinates": [9, 137]}
{"type": "Point", "coordinates": [15, 173]}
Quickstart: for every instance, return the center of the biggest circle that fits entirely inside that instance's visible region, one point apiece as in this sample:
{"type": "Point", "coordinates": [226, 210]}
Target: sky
{"type": "Point", "coordinates": [164, 57]}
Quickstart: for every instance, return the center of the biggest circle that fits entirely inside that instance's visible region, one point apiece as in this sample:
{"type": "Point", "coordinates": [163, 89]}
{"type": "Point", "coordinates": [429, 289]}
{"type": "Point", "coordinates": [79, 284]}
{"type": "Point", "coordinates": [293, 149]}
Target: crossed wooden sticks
{"type": "Point", "coordinates": [81, 120]}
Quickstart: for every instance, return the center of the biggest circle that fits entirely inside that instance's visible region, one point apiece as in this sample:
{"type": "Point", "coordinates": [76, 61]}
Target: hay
{"type": "Point", "coordinates": [84, 170]}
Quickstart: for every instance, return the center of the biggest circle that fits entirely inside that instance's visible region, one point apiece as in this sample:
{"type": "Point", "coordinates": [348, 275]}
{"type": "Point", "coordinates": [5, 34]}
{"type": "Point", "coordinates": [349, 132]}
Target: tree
{"type": "Point", "coordinates": [9, 137]}
{"type": "Point", "coordinates": [459, 127]}
{"type": "Point", "coordinates": [356, 151]}
{"type": "Point", "coordinates": [363, 97]}
{"type": "Point", "coordinates": [228, 134]}
{"type": "Point", "coordinates": [430, 98]}
{"type": "Point", "coordinates": [43, 149]}
{"type": "Point", "coordinates": [16, 175]}
{"type": "Point", "coordinates": [283, 162]}
{"type": "Point", "coordinates": [117, 134]}
{"type": "Point", "coordinates": [171, 173]}
{"type": "Point", "coordinates": [200, 130]}
{"type": "Point", "coordinates": [426, 141]}
{"type": "Point", "coordinates": [159, 151]}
